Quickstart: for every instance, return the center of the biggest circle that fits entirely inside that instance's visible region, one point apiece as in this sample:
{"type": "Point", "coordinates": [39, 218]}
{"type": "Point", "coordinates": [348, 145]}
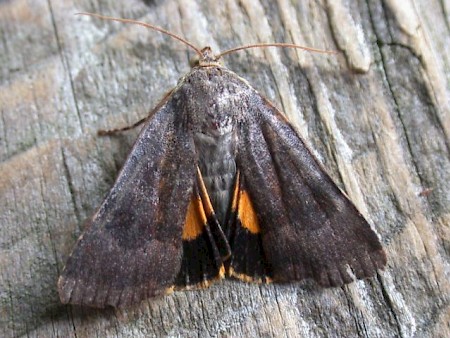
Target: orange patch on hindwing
{"type": "Point", "coordinates": [247, 214]}
{"type": "Point", "coordinates": [195, 219]}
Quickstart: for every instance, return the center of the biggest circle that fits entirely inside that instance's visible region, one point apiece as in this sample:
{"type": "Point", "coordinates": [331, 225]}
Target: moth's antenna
{"type": "Point", "coordinates": [281, 44]}
{"type": "Point", "coordinates": [197, 50]}
{"type": "Point", "coordinates": [156, 28]}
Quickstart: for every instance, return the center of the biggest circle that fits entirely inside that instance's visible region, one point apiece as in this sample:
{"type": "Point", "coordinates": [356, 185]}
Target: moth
{"type": "Point", "coordinates": [217, 184]}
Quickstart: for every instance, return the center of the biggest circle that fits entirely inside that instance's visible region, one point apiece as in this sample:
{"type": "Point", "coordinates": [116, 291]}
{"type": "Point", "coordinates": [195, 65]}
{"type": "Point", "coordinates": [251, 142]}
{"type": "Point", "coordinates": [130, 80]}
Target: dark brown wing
{"type": "Point", "coordinates": [132, 248]}
{"type": "Point", "coordinates": [309, 227]}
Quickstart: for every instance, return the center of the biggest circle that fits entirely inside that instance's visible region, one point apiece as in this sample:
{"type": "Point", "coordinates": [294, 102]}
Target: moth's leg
{"type": "Point", "coordinates": [215, 229]}
{"type": "Point", "coordinates": [104, 132]}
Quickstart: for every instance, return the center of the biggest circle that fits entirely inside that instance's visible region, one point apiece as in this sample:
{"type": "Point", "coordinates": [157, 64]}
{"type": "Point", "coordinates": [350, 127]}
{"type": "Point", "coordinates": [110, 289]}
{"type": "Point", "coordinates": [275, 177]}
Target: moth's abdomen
{"type": "Point", "coordinates": [218, 167]}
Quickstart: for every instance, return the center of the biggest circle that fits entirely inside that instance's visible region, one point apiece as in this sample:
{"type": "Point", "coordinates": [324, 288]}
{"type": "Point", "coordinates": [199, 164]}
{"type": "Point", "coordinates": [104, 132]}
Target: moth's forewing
{"type": "Point", "coordinates": [309, 228]}
{"type": "Point", "coordinates": [132, 248]}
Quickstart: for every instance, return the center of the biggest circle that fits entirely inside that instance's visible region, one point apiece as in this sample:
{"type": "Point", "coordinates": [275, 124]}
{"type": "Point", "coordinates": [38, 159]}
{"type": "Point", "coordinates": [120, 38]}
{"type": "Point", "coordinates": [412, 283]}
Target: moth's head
{"type": "Point", "coordinates": [205, 59]}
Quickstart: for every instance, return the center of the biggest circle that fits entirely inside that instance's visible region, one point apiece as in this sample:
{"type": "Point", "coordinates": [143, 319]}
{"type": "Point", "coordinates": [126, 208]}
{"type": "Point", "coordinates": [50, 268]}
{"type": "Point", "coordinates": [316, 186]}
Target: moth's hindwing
{"type": "Point", "coordinates": [248, 261]}
{"type": "Point", "coordinates": [205, 246]}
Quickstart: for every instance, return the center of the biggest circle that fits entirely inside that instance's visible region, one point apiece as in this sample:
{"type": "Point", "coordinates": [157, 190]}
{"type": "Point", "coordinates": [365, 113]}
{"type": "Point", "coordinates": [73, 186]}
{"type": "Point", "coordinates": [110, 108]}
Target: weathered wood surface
{"type": "Point", "coordinates": [377, 117]}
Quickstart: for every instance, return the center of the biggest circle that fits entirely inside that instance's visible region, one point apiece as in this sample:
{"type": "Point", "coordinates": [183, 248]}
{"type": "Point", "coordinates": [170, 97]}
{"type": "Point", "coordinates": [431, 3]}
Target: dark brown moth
{"type": "Point", "coordinates": [217, 184]}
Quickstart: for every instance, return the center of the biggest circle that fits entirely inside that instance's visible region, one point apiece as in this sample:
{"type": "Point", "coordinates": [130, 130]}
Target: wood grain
{"type": "Point", "coordinates": [377, 116]}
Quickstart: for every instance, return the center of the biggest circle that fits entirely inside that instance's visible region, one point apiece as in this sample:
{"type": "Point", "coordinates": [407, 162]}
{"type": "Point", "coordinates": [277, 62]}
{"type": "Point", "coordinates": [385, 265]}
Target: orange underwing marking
{"type": "Point", "coordinates": [245, 231]}
{"type": "Point", "coordinates": [249, 279]}
{"type": "Point", "coordinates": [242, 204]}
{"type": "Point", "coordinates": [195, 219]}
{"type": "Point", "coordinates": [234, 202]}
{"type": "Point", "coordinates": [207, 205]}
{"type": "Point", "coordinates": [247, 214]}
{"type": "Point", "coordinates": [205, 246]}
{"type": "Point", "coordinates": [203, 284]}
{"type": "Point", "coordinates": [170, 290]}
{"type": "Point", "coordinates": [212, 225]}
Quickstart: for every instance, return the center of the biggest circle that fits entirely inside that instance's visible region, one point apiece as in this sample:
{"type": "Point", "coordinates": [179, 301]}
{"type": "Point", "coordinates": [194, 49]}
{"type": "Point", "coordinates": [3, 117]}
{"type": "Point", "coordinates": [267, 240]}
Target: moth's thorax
{"type": "Point", "coordinates": [212, 95]}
